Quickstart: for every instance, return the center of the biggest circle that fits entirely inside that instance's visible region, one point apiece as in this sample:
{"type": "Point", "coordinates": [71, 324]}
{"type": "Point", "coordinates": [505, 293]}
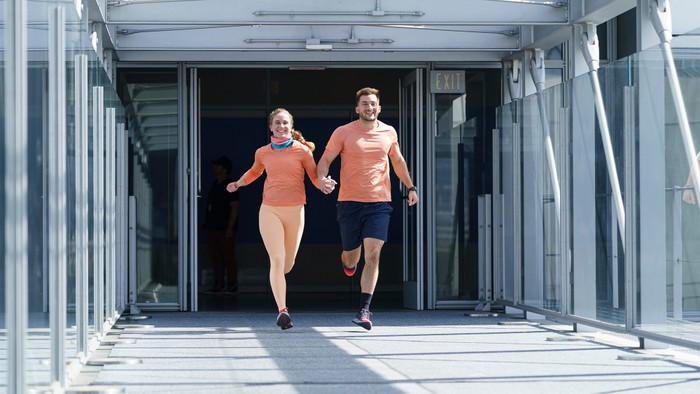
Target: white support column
{"type": "Point", "coordinates": [110, 181]}
{"type": "Point", "coordinates": [81, 202]}
{"type": "Point", "coordinates": [16, 246]}
{"type": "Point", "coordinates": [57, 191]}
{"type": "Point", "coordinates": [98, 209]}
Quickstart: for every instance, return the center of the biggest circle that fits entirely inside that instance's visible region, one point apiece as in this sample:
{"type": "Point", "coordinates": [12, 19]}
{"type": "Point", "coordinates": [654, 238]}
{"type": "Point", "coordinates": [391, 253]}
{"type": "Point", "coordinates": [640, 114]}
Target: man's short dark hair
{"type": "Point", "coordinates": [366, 92]}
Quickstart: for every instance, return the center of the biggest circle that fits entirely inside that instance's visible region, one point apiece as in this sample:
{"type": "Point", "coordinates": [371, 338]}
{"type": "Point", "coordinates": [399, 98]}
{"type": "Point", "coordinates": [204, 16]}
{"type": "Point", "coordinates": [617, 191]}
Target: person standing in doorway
{"type": "Point", "coordinates": [364, 206]}
{"type": "Point", "coordinates": [221, 224]}
{"type": "Point", "coordinates": [281, 217]}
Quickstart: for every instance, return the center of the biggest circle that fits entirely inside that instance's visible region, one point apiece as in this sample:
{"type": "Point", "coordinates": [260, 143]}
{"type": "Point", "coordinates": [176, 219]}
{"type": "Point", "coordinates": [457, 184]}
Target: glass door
{"type": "Point", "coordinates": [411, 135]}
{"type": "Point", "coordinates": [464, 103]}
{"type": "Point", "coordinates": [151, 99]}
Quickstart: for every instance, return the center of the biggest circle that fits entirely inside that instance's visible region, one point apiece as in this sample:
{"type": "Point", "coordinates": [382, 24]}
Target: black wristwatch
{"type": "Point", "coordinates": [415, 189]}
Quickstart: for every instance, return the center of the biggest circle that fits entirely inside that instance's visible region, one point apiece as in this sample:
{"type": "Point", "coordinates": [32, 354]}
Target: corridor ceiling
{"type": "Point", "coordinates": [338, 30]}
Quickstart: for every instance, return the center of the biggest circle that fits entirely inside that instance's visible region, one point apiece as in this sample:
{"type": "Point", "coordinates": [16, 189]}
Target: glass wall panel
{"type": "Point", "coordinates": [679, 282]}
{"type": "Point", "coordinates": [150, 98]}
{"type": "Point", "coordinates": [454, 151]}
{"type": "Point", "coordinates": [541, 263]}
{"type": "Point", "coordinates": [596, 234]}
{"type": "Point", "coordinates": [682, 208]}
{"type": "Point", "coordinates": [462, 172]}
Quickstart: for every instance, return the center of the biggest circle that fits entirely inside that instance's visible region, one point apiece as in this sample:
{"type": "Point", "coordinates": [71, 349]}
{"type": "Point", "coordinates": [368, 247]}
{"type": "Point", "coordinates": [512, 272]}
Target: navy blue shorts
{"type": "Point", "coordinates": [360, 220]}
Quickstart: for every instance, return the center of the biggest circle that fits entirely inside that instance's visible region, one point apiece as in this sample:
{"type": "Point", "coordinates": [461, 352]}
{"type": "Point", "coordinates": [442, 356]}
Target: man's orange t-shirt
{"type": "Point", "coordinates": [364, 169]}
{"type": "Point", "coordinates": [284, 185]}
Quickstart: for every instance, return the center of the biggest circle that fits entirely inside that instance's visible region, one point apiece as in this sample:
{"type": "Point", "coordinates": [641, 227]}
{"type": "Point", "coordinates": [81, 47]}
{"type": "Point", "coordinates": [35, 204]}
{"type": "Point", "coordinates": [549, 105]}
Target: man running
{"type": "Point", "coordinates": [364, 208]}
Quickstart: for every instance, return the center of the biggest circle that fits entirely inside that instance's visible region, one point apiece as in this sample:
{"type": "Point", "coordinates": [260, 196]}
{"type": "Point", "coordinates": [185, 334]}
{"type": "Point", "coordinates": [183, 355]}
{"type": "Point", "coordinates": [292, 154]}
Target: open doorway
{"type": "Point", "coordinates": [233, 106]}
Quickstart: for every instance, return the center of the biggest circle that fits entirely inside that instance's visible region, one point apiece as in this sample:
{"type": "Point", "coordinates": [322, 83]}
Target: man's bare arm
{"type": "Point", "coordinates": [401, 171]}
{"type": "Point", "coordinates": [324, 164]}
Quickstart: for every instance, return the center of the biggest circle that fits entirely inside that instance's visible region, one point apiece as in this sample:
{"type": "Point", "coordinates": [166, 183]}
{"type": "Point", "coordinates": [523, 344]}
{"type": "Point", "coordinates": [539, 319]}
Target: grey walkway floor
{"type": "Point", "coordinates": [406, 352]}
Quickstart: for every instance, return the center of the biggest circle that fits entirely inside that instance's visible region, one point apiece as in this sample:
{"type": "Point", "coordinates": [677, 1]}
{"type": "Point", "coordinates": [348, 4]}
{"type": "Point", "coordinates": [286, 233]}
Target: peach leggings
{"type": "Point", "coordinates": [281, 229]}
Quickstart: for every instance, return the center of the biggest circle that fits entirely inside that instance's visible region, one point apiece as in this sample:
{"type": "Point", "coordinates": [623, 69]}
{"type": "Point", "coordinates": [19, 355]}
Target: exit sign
{"type": "Point", "coordinates": [445, 81]}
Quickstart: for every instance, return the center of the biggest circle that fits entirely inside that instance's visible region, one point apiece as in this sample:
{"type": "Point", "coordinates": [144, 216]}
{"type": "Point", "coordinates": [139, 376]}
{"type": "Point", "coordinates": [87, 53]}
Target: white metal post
{"type": "Point", "coordinates": [81, 206]}
{"type": "Point", "coordinates": [98, 209]}
{"type": "Point", "coordinates": [57, 191]}
{"type": "Point", "coordinates": [109, 270]}
{"type": "Point", "coordinates": [16, 248]}
{"type": "Point", "coordinates": [190, 157]}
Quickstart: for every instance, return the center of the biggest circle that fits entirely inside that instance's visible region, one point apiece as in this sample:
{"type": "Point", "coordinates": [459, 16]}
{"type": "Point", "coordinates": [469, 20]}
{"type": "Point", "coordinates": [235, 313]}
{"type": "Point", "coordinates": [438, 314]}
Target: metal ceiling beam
{"type": "Point", "coordinates": [393, 30]}
{"type": "Point", "coordinates": [275, 38]}
{"type": "Point", "coordinates": [305, 12]}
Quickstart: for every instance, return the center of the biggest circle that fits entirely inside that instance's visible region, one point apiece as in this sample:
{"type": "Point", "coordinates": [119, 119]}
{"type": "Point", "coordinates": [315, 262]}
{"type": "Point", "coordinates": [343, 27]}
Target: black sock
{"type": "Point", "coordinates": [365, 299]}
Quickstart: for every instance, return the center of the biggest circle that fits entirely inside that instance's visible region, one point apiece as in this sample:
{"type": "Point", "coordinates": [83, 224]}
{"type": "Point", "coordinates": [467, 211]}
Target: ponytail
{"type": "Point", "coordinates": [298, 137]}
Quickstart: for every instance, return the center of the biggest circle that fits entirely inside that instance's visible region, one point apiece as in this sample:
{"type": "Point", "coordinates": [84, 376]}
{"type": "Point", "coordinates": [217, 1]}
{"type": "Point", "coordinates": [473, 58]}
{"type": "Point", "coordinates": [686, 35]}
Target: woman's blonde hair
{"type": "Point", "coordinates": [296, 134]}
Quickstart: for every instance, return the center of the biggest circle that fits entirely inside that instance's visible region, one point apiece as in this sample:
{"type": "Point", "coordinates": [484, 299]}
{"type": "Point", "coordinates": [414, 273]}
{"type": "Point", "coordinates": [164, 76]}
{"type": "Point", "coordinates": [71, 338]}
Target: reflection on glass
{"type": "Point", "coordinates": [682, 208]}
{"type": "Point", "coordinates": [541, 253]}
{"type": "Point", "coordinates": [455, 199]}
{"type": "Point", "coordinates": [38, 344]}
{"type": "Point", "coordinates": [151, 104]}
{"type": "Point", "coordinates": [609, 251]}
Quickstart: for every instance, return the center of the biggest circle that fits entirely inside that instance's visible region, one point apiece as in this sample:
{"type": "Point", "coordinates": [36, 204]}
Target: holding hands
{"type": "Point", "coordinates": [327, 184]}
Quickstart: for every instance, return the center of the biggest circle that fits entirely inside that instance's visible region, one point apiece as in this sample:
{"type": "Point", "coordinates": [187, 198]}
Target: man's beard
{"type": "Point", "coordinates": [364, 117]}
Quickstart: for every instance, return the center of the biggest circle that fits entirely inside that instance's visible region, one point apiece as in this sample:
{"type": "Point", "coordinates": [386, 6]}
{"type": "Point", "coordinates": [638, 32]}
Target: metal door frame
{"type": "Point", "coordinates": [413, 291]}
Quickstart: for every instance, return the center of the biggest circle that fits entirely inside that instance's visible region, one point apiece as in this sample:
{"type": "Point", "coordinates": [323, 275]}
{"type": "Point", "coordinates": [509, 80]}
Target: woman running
{"type": "Point", "coordinates": [281, 216]}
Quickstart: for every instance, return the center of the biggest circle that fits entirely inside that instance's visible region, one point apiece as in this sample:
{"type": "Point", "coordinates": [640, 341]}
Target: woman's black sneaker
{"type": "Point", "coordinates": [283, 319]}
